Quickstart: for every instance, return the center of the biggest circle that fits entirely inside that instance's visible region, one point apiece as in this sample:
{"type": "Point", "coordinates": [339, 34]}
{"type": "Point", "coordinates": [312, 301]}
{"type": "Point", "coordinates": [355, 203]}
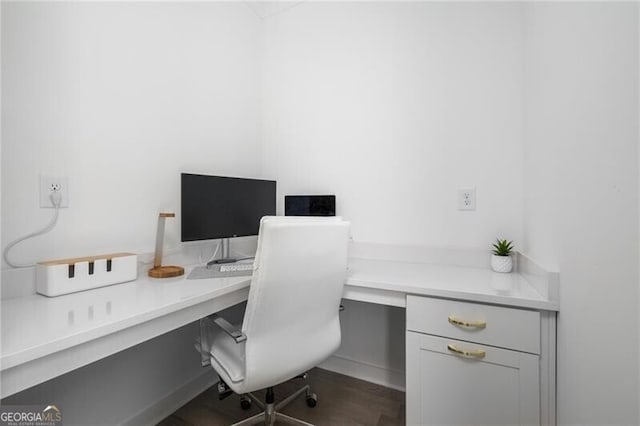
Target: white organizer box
{"type": "Point", "coordinates": [58, 277]}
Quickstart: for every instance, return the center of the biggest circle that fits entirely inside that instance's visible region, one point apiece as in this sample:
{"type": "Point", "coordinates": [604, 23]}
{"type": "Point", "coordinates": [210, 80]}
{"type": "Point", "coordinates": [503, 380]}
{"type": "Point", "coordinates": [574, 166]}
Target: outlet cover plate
{"type": "Point", "coordinates": [467, 198]}
{"type": "Point", "coordinates": [48, 184]}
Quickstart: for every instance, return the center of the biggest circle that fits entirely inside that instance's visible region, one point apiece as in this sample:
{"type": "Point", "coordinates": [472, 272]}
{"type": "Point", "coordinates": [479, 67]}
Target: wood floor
{"type": "Point", "coordinates": [342, 400]}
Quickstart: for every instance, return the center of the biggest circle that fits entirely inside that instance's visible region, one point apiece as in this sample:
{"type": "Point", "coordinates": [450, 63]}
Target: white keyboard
{"type": "Point", "coordinates": [235, 267]}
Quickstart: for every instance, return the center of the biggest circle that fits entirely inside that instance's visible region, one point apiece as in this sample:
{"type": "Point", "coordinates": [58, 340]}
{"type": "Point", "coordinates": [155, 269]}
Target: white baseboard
{"type": "Point", "coordinates": [156, 412]}
{"type": "Point", "coordinates": [393, 379]}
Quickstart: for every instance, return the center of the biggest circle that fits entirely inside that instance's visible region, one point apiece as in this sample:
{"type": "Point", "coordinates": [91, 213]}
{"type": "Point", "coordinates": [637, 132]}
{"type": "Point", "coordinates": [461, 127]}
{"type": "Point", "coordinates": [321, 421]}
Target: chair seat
{"type": "Point", "coordinates": [228, 356]}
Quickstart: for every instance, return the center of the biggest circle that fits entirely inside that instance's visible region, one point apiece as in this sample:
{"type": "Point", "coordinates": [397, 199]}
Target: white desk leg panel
{"type": "Point", "coordinates": [548, 368]}
{"type": "Point", "coordinates": [39, 370]}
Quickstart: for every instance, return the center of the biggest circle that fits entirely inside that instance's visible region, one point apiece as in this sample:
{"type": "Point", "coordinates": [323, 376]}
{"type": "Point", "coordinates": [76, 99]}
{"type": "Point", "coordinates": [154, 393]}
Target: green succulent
{"type": "Point", "coordinates": [502, 247]}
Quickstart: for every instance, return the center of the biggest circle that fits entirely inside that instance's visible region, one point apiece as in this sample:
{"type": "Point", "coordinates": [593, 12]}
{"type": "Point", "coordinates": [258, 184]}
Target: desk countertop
{"type": "Point", "coordinates": [35, 326]}
{"type": "Point", "coordinates": [446, 281]}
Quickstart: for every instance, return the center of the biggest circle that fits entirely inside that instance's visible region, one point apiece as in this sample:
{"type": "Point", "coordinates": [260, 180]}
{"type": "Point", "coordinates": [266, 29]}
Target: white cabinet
{"type": "Point", "coordinates": [444, 387]}
{"type": "Point", "coordinates": [470, 363]}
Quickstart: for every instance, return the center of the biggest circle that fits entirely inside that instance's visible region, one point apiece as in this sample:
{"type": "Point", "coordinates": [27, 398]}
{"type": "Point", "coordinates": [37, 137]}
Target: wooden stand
{"type": "Point", "coordinates": [159, 271]}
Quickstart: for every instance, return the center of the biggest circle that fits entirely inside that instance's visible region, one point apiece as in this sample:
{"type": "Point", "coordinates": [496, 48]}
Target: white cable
{"type": "Point", "coordinates": [245, 256]}
{"type": "Point", "coordinates": [213, 256]}
{"type": "Point", "coordinates": [56, 199]}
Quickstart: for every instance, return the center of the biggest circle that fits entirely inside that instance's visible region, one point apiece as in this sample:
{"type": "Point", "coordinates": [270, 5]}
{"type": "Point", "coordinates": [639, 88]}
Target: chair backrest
{"type": "Point", "coordinates": [291, 320]}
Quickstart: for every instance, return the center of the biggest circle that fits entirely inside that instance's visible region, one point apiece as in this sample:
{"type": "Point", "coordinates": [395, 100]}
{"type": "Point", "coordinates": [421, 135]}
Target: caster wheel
{"type": "Point", "coordinates": [245, 403]}
{"type": "Point", "coordinates": [312, 400]}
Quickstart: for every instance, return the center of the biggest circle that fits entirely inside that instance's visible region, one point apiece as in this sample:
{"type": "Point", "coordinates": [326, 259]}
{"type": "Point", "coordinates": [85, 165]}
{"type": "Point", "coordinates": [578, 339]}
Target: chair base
{"type": "Point", "coordinates": [270, 414]}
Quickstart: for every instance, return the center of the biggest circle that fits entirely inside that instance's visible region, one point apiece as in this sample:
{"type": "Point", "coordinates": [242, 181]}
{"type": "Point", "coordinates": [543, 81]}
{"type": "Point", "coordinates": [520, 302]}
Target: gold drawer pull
{"type": "Point", "coordinates": [471, 324]}
{"type": "Point", "coordinates": [478, 353]}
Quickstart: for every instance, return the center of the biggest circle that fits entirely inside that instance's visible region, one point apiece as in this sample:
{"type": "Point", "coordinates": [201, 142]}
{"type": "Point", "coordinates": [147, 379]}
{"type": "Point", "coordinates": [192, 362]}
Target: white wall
{"type": "Point", "coordinates": [581, 205]}
{"type": "Point", "coordinates": [392, 107]}
{"type": "Point", "coordinates": [121, 97]}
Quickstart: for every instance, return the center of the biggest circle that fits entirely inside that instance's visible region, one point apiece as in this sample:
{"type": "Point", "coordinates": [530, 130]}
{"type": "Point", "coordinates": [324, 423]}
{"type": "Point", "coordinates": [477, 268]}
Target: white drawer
{"type": "Point", "coordinates": [511, 328]}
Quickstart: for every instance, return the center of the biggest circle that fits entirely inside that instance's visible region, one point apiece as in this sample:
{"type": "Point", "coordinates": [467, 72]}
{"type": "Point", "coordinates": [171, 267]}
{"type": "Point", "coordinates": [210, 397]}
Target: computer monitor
{"type": "Point", "coordinates": [224, 207]}
{"type": "Point", "coordinates": [310, 205]}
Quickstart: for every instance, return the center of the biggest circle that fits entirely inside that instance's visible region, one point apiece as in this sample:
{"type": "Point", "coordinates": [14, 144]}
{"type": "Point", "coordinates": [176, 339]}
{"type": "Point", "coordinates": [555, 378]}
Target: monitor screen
{"type": "Point", "coordinates": [223, 207]}
{"type": "Point", "coordinates": [310, 205]}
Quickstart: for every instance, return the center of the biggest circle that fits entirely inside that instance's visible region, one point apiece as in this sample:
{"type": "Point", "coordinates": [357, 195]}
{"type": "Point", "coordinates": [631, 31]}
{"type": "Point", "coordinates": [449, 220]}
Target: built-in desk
{"type": "Point", "coordinates": [45, 337]}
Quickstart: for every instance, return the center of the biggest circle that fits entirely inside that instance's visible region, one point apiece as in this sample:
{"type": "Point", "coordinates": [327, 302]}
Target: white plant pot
{"type": "Point", "coordinates": [502, 264]}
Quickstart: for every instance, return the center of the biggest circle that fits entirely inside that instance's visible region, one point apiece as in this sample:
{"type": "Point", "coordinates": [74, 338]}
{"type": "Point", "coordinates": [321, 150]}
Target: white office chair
{"type": "Point", "coordinates": [291, 321]}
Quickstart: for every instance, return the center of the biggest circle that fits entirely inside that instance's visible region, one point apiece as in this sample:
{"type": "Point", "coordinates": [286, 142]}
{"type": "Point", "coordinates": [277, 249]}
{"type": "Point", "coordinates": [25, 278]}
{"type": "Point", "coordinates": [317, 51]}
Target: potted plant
{"type": "Point", "coordinates": [501, 260]}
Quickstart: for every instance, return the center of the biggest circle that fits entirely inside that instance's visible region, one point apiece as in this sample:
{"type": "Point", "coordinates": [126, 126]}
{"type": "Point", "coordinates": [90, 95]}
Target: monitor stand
{"type": "Point", "coordinates": [225, 255]}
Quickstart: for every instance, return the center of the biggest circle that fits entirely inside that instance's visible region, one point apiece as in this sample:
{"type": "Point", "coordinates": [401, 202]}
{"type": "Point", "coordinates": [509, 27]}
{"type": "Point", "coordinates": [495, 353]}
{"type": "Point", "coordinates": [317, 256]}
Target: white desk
{"type": "Point", "coordinates": [45, 337]}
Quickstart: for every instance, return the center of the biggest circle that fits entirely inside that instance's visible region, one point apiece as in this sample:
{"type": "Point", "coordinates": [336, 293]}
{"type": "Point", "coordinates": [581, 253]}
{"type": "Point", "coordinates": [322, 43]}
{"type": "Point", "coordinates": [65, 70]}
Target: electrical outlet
{"type": "Point", "coordinates": [466, 199]}
{"type": "Point", "coordinates": [51, 184]}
